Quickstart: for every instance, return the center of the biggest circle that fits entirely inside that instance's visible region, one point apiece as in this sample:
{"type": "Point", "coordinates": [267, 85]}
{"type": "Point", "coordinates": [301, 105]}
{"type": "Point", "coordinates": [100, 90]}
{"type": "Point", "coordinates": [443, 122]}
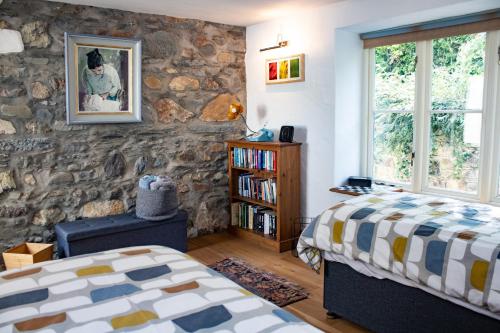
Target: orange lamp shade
{"type": "Point", "coordinates": [234, 110]}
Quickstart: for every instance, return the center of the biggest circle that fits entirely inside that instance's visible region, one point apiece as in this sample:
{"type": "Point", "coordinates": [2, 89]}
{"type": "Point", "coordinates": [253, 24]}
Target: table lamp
{"type": "Point", "coordinates": [235, 110]}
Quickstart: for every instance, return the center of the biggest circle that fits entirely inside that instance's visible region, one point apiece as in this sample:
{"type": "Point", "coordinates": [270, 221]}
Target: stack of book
{"type": "Point", "coordinates": [252, 217]}
{"type": "Point", "coordinates": [253, 187]}
{"type": "Point", "coordinates": [254, 159]}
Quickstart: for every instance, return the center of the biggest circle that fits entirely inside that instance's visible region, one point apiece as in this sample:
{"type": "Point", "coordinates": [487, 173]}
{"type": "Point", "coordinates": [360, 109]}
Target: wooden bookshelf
{"type": "Point", "coordinates": [287, 207]}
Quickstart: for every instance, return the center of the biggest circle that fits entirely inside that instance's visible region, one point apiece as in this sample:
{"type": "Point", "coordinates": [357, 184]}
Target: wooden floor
{"type": "Point", "coordinates": [212, 248]}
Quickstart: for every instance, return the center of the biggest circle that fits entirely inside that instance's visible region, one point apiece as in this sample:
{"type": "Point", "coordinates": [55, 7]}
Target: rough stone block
{"type": "Point", "coordinates": [169, 111]}
{"type": "Point", "coordinates": [182, 83]}
{"type": "Point", "coordinates": [6, 127]}
{"type": "Point", "coordinates": [114, 165]}
{"type": "Point", "coordinates": [216, 109]}
{"type": "Point", "coordinates": [152, 82]}
{"type": "Point", "coordinates": [103, 208]}
{"type": "Point", "coordinates": [18, 110]}
{"type": "Point", "coordinates": [60, 178]}
{"type": "Point", "coordinates": [7, 182]}
{"type": "Point", "coordinates": [12, 41]}
{"type": "Point", "coordinates": [48, 216]}
{"type": "Point", "coordinates": [35, 34]}
{"type": "Point", "coordinates": [40, 91]}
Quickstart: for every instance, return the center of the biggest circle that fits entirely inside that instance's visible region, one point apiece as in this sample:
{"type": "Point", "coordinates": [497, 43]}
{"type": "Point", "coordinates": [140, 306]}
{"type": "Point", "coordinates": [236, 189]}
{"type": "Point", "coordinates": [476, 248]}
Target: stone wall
{"type": "Point", "coordinates": [51, 172]}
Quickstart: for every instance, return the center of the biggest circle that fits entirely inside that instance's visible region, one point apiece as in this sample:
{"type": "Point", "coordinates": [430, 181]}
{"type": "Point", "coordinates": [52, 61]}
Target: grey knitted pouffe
{"type": "Point", "coordinates": [156, 205]}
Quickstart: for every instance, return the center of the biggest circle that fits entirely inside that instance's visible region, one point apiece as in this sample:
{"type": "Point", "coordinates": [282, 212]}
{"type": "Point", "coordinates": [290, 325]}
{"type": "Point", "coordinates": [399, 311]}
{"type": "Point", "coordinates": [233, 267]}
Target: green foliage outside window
{"type": "Point", "coordinates": [455, 61]}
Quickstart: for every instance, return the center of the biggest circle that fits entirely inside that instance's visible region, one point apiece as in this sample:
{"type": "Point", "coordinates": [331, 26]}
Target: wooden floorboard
{"type": "Point", "coordinates": [212, 248]}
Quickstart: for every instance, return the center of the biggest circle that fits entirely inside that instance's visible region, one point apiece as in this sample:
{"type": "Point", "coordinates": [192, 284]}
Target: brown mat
{"type": "Point", "coordinates": [269, 286]}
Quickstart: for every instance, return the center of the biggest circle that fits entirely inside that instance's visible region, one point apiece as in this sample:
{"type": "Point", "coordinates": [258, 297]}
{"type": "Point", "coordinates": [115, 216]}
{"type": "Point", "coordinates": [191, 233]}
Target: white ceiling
{"type": "Point", "coordinates": [235, 12]}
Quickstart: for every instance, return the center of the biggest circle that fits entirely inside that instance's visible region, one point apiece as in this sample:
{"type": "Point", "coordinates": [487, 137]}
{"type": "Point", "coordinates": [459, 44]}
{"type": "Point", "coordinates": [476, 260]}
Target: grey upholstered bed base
{"type": "Point", "coordinates": [386, 306]}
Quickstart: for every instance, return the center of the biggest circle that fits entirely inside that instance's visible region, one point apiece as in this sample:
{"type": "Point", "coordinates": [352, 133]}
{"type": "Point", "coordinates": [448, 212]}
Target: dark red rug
{"type": "Point", "coordinates": [267, 285]}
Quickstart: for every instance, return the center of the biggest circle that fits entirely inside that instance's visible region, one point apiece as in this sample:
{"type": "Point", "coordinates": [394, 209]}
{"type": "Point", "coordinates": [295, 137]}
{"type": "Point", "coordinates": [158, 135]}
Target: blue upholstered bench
{"type": "Point", "coordinates": [112, 232]}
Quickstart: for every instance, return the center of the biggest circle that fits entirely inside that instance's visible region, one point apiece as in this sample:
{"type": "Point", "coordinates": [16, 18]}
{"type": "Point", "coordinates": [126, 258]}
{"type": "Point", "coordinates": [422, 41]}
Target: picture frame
{"type": "Point", "coordinates": [285, 69]}
{"type": "Point", "coordinates": [103, 79]}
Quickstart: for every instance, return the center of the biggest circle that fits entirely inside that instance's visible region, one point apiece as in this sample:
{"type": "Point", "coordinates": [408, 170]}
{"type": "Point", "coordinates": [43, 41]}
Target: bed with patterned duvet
{"type": "Point", "coordinates": [139, 289]}
{"type": "Point", "coordinates": [446, 247]}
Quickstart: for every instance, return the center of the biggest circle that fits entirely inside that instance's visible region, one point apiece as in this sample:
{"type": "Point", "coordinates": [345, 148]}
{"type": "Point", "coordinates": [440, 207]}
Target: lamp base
{"type": "Point", "coordinates": [263, 135]}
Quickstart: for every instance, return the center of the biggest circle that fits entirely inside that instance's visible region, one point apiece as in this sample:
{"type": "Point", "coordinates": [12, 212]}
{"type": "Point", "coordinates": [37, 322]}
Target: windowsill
{"type": "Point", "coordinates": [456, 196]}
{"type": "Point", "coordinates": [452, 195]}
{"type": "Point", "coordinates": [442, 193]}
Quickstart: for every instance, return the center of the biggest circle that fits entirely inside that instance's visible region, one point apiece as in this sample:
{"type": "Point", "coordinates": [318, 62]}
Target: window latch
{"type": "Point", "coordinates": [416, 61]}
{"type": "Point", "coordinates": [412, 158]}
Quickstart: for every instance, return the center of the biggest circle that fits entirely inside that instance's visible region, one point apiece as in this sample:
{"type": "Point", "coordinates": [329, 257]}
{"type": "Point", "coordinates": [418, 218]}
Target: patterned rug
{"type": "Point", "coordinates": [264, 284]}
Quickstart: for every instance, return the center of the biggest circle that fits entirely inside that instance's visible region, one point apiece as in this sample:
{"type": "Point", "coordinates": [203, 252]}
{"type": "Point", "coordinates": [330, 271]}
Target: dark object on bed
{"type": "Point", "coordinates": [390, 307]}
{"type": "Point", "coordinates": [359, 181]}
{"type": "Point", "coordinates": [112, 232]}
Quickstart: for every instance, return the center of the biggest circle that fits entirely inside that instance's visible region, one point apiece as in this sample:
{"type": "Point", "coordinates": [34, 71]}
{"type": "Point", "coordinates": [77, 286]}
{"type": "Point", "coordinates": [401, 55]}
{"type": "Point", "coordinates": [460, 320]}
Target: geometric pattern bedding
{"type": "Point", "coordinates": [139, 289]}
{"type": "Point", "coordinates": [448, 245]}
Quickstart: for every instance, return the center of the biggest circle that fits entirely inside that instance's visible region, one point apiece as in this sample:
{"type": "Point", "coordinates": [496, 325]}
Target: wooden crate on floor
{"type": "Point", "coordinates": [27, 254]}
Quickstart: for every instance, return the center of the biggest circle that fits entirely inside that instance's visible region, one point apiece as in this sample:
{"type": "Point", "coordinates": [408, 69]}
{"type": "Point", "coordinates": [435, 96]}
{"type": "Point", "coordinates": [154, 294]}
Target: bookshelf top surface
{"type": "Point", "coordinates": [268, 143]}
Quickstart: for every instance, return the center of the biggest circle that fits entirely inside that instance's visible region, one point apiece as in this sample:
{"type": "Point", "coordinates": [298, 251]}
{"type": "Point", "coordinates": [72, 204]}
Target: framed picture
{"type": "Point", "coordinates": [285, 70]}
{"type": "Point", "coordinates": [103, 79]}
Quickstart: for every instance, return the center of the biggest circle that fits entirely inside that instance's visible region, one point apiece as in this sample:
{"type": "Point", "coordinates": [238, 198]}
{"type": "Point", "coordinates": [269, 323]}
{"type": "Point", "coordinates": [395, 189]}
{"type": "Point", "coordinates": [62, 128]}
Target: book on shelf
{"type": "Point", "coordinates": [253, 159]}
{"type": "Point", "coordinates": [253, 187]}
{"type": "Point", "coordinates": [254, 217]}
{"type": "Point", "coordinates": [235, 217]}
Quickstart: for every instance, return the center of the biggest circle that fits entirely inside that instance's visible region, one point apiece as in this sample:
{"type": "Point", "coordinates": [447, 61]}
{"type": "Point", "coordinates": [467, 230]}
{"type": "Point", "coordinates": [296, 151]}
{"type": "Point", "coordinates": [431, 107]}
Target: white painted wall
{"type": "Point", "coordinates": [326, 109]}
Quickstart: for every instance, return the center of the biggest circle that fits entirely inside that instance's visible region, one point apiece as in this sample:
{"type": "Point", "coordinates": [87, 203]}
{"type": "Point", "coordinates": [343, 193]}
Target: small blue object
{"type": "Point", "coordinates": [211, 317]}
{"type": "Point", "coordinates": [404, 205]}
{"type": "Point", "coordinates": [148, 273]}
{"type": "Point", "coordinates": [469, 222]}
{"type": "Point", "coordinates": [263, 135]}
{"type": "Point", "coordinates": [309, 230]}
{"type": "Point", "coordinates": [145, 181]}
{"type": "Point", "coordinates": [434, 259]}
{"type": "Point", "coordinates": [427, 229]}
{"type": "Point", "coordinates": [24, 298]}
{"type": "Point", "coordinates": [362, 213]}
{"type": "Point", "coordinates": [365, 236]}
{"type": "Point", "coordinates": [286, 316]}
{"type": "Point", "coordinates": [469, 212]}
{"type": "Point", "coordinates": [105, 293]}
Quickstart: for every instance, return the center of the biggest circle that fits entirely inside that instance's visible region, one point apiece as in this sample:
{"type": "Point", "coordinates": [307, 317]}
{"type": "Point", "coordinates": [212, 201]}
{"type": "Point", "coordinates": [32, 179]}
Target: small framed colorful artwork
{"type": "Point", "coordinates": [285, 70]}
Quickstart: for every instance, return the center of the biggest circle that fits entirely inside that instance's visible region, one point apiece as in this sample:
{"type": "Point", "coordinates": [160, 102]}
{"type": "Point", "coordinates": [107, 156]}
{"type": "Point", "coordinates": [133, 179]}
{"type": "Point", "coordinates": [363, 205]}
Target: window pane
{"type": "Point", "coordinates": [458, 72]}
{"type": "Point", "coordinates": [454, 156]}
{"type": "Point", "coordinates": [395, 77]}
{"type": "Point", "coordinates": [392, 147]}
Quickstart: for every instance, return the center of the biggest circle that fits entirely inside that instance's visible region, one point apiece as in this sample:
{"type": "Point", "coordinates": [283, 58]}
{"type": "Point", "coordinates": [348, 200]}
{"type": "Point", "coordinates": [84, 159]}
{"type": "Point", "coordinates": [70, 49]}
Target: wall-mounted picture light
{"type": "Point", "coordinates": [280, 43]}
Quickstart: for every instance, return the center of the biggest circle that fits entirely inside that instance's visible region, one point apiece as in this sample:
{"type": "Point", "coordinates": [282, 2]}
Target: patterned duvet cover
{"type": "Point", "coordinates": [140, 289]}
{"type": "Point", "coordinates": [448, 245]}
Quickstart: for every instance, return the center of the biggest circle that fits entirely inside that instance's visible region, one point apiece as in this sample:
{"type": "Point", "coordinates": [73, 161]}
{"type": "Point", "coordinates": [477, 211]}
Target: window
{"type": "Point", "coordinates": [393, 112]}
{"type": "Point", "coordinates": [430, 112]}
{"type": "Point", "coordinates": [457, 81]}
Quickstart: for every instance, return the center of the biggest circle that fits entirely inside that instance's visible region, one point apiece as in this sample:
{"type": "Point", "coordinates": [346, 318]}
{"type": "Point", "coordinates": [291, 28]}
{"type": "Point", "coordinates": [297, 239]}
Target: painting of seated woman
{"type": "Point", "coordinates": [103, 79]}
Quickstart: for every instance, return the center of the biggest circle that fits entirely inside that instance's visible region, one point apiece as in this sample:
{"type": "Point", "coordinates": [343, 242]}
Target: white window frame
{"type": "Point", "coordinates": [489, 162]}
{"type": "Point", "coordinates": [370, 56]}
{"type": "Point", "coordinates": [491, 190]}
